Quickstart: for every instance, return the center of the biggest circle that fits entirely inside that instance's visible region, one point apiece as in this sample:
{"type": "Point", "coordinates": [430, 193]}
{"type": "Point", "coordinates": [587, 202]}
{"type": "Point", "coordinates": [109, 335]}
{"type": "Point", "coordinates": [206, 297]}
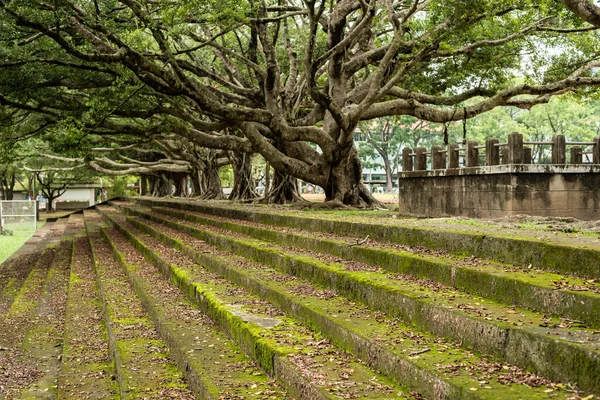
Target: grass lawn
{"type": "Point", "coordinates": [21, 232]}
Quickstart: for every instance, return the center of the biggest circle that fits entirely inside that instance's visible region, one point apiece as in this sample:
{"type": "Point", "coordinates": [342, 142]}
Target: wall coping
{"type": "Point", "coordinates": [506, 169]}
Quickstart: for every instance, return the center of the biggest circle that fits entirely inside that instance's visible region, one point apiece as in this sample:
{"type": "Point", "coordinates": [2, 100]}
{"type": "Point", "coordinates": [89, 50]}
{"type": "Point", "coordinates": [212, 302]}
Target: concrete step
{"type": "Point", "coordinates": [308, 366]}
{"type": "Point", "coordinates": [562, 353]}
{"type": "Point", "coordinates": [13, 274]}
{"type": "Point", "coordinates": [42, 347]}
{"type": "Point", "coordinates": [414, 359]}
{"type": "Point", "coordinates": [86, 370]}
{"type": "Point", "coordinates": [15, 321]}
{"type": "Point", "coordinates": [552, 252]}
{"type": "Point", "coordinates": [213, 365]}
{"type": "Point", "coordinates": [537, 290]}
{"type": "Point", "coordinates": [142, 364]}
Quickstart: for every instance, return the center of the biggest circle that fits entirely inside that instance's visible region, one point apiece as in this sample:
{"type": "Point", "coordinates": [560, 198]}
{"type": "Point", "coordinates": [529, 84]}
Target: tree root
{"type": "Point", "coordinates": [326, 205]}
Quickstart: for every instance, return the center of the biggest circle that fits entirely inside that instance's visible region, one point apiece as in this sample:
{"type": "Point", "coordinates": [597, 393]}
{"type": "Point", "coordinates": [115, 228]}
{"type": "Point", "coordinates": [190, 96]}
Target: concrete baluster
{"type": "Point", "coordinates": [407, 159]}
{"type": "Point", "coordinates": [576, 155]}
{"type": "Point", "coordinates": [444, 160]}
{"type": "Point", "coordinates": [421, 159]}
{"type": "Point", "coordinates": [515, 148]}
{"type": "Point", "coordinates": [492, 152]}
{"type": "Point", "coordinates": [472, 154]}
{"type": "Point", "coordinates": [453, 156]}
{"type": "Point", "coordinates": [559, 149]}
{"type": "Point", "coordinates": [527, 155]}
{"type": "Point", "coordinates": [438, 159]}
{"type": "Point", "coordinates": [504, 155]}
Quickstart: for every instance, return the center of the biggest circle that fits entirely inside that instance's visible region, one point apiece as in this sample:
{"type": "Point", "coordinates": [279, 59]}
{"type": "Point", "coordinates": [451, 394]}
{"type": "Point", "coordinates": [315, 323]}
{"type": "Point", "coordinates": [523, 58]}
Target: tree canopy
{"type": "Point", "coordinates": [145, 86]}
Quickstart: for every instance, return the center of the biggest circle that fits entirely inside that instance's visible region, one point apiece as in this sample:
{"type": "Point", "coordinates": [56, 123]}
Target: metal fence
{"type": "Point", "coordinates": [17, 216]}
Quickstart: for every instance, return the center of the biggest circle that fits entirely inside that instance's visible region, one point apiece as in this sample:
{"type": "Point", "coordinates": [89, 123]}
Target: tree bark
{"type": "Point", "coordinates": [210, 182]}
{"type": "Point", "coordinates": [284, 189]}
{"type": "Point", "coordinates": [8, 186]}
{"type": "Point", "coordinates": [243, 186]}
{"type": "Point", "coordinates": [388, 175]}
{"type": "Point", "coordinates": [160, 186]}
{"type": "Point", "coordinates": [585, 9]}
{"type": "Point", "coordinates": [144, 185]}
{"type": "Point", "coordinates": [344, 185]}
{"type": "Point", "coordinates": [50, 204]}
{"type": "Point", "coordinates": [267, 178]}
{"type": "Point", "coordinates": [180, 182]}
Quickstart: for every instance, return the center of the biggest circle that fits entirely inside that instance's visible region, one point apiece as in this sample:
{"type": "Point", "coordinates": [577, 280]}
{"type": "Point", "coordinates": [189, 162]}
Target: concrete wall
{"type": "Point", "coordinates": [497, 191]}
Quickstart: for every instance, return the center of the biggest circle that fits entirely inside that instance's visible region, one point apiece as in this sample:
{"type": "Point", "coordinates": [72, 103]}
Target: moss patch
{"type": "Point", "coordinates": [425, 309]}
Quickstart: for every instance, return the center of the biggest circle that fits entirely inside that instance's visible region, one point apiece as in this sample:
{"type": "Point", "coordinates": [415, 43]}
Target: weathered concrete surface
{"type": "Point", "coordinates": [492, 192]}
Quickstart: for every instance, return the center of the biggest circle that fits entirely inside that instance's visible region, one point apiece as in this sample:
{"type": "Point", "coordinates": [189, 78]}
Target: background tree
{"type": "Point", "coordinates": [52, 186]}
{"type": "Point", "coordinates": [53, 183]}
{"type": "Point", "coordinates": [385, 138]}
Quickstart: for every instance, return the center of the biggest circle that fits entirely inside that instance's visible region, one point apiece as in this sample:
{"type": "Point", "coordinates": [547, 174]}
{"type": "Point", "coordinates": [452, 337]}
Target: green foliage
{"type": "Point", "coordinates": [226, 175]}
{"type": "Point", "coordinates": [386, 137]}
{"type": "Point", "coordinates": [158, 71]}
{"type": "Point", "coordinates": [119, 186]}
{"type": "Point", "coordinates": [68, 138]}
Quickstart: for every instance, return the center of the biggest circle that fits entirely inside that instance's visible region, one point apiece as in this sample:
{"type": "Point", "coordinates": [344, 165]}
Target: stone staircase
{"type": "Point", "coordinates": [155, 299]}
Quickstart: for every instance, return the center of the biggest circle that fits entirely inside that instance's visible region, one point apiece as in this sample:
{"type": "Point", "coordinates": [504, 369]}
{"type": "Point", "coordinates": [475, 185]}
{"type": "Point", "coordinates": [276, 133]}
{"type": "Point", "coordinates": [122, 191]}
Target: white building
{"type": "Point", "coordinates": [78, 196]}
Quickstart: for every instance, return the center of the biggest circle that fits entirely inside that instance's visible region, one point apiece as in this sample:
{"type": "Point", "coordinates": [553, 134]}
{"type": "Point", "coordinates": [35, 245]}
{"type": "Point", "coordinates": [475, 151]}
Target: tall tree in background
{"type": "Point", "coordinates": [384, 139]}
{"type": "Point", "coordinates": [381, 144]}
{"type": "Point", "coordinates": [52, 186]}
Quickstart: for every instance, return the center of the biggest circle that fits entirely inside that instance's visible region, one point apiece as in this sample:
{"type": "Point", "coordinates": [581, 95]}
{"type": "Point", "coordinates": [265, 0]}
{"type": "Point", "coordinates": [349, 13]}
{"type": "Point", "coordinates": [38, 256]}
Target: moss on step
{"type": "Point", "coordinates": [532, 289]}
{"type": "Point", "coordinates": [216, 297]}
{"type": "Point", "coordinates": [195, 344]}
{"type": "Point", "coordinates": [12, 276]}
{"type": "Point", "coordinates": [578, 261]}
{"type": "Point", "coordinates": [42, 345]}
{"type": "Point", "coordinates": [86, 368]}
{"type": "Point", "coordinates": [348, 326]}
{"type": "Point", "coordinates": [26, 299]}
{"type": "Point", "coordinates": [138, 354]}
{"type": "Point", "coordinates": [529, 348]}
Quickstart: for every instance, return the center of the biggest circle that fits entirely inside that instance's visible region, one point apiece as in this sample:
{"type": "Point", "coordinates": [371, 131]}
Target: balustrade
{"type": "Point", "coordinates": [514, 151]}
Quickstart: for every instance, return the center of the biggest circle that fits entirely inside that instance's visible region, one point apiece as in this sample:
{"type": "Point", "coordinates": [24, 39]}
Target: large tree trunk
{"type": "Point", "coordinates": [243, 186]}
{"type": "Point", "coordinates": [160, 186]}
{"type": "Point", "coordinates": [180, 182]}
{"type": "Point", "coordinates": [8, 186]}
{"type": "Point", "coordinates": [344, 187]}
{"type": "Point", "coordinates": [284, 189]}
{"type": "Point", "coordinates": [144, 185]}
{"type": "Point", "coordinates": [30, 189]}
{"type": "Point", "coordinates": [267, 178]}
{"type": "Point", "coordinates": [50, 204]}
{"type": "Point", "coordinates": [210, 182]}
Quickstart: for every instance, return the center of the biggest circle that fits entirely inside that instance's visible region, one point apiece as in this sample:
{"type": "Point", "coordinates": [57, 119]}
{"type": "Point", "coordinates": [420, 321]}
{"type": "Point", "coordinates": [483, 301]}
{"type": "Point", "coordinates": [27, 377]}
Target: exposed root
{"type": "Point", "coordinates": [326, 205]}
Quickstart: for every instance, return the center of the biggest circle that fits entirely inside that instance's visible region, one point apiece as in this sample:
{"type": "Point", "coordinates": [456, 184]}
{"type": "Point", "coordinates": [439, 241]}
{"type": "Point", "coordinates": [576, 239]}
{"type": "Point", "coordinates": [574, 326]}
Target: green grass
{"type": "Point", "coordinates": [21, 232]}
